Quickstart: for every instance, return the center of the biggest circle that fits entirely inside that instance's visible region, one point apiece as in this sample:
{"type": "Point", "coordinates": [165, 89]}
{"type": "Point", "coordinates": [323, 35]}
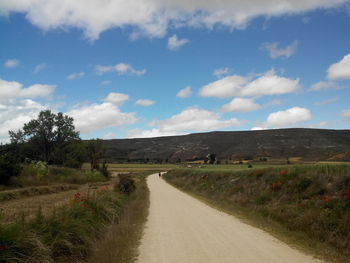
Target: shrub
{"type": "Point", "coordinates": [104, 170]}
{"type": "Point", "coordinates": [8, 168]}
{"type": "Point", "coordinates": [126, 184]}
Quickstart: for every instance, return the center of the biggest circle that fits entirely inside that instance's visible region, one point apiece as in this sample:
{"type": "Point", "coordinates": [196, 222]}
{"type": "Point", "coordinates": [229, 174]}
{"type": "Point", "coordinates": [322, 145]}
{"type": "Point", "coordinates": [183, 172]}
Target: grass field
{"type": "Point", "coordinates": [99, 224]}
{"type": "Point", "coordinates": [306, 205]}
{"type": "Point", "coordinates": [135, 167]}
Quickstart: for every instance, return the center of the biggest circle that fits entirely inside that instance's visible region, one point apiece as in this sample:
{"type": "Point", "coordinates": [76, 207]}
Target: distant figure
{"type": "Point", "coordinates": [160, 175]}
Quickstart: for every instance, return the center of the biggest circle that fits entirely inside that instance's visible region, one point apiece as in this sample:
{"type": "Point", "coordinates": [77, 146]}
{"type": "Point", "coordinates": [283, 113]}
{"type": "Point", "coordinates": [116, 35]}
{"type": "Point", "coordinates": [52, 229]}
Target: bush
{"type": "Point", "coordinates": [103, 169]}
{"type": "Point", "coordinates": [8, 168]}
{"type": "Point", "coordinates": [126, 184]}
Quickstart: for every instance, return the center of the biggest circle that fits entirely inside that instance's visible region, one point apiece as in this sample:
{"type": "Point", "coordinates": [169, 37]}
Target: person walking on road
{"type": "Point", "coordinates": [160, 175]}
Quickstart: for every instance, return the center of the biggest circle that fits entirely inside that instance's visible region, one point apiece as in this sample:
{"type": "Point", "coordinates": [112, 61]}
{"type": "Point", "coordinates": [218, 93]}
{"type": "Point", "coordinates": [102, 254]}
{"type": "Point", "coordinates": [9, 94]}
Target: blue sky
{"type": "Point", "coordinates": [155, 68]}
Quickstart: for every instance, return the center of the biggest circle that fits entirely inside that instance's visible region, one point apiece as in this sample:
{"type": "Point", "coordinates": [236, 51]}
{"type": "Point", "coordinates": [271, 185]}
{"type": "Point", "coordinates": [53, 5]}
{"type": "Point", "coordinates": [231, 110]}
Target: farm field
{"type": "Point", "coordinates": [135, 167]}
{"type": "Point", "coordinates": [28, 206]}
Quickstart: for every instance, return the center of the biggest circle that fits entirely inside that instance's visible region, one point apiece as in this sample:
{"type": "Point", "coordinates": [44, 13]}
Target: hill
{"type": "Point", "coordinates": [310, 144]}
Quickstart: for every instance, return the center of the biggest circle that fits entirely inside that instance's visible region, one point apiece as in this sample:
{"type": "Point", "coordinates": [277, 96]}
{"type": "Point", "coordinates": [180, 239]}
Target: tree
{"type": "Point", "coordinates": [48, 136]}
{"type": "Point", "coordinates": [9, 163]}
{"type": "Point", "coordinates": [95, 151]}
{"type": "Point", "coordinates": [75, 154]}
{"type": "Point", "coordinates": [211, 158]}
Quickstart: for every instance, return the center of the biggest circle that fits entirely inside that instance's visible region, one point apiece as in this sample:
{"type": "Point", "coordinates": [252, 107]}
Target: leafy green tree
{"type": "Point", "coordinates": [75, 154]}
{"type": "Point", "coordinates": [9, 163]}
{"type": "Point", "coordinates": [48, 136]}
{"type": "Point", "coordinates": [95, 151]}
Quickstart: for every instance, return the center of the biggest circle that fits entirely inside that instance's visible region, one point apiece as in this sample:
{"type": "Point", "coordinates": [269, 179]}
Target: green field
{"type": "Point", "coordinates": [130, 167]}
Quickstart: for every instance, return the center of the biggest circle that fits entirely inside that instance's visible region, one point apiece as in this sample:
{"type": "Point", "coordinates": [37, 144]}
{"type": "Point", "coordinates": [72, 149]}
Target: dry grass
{"type": "Point", "coordinates": [104, 224]}
{"type": "Point", "coordinates": [121, 240]}
{"type": "Point", "coordinates": [27, 206]}
{"type": "Point", "coordinates": [307, 206]}
{"type": "Point", "coordinates": [33, 191]}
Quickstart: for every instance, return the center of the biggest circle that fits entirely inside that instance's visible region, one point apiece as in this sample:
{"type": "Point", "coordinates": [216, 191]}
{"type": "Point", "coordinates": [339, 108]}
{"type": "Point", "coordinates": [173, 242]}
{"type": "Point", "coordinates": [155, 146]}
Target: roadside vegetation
{"type": "Point", "coordinates": [308, 205]}
{"type": "Point", "coordinates": [104, 225]}
{"type": "Point", "coordinates": [54, 209]}
{"type": "Point", "coordinates": [121, 240]}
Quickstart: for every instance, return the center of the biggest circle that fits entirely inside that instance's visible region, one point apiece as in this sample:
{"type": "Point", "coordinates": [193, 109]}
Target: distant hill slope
{"type": "Point", "coordinates": [311, 144]}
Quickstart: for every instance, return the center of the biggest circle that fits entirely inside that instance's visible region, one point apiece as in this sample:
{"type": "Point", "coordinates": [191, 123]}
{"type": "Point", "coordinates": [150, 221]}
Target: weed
{"type": "Point", "coordinates": [310, 199]}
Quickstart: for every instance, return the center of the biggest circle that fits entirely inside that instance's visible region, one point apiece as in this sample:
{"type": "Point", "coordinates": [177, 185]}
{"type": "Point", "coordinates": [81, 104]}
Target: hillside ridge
{"type": "Point", "coordinates": [310, 144]}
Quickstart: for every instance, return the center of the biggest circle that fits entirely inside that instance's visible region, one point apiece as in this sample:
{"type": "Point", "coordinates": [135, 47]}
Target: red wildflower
{"type": "Point", "coordinates": [283, 172]}
{"type": "Point", "coordinates": [325, 199]}
{"type": "Point", "coordinates": [273, 186]}
{"type": "Point", "coordinates": [61, 220]}
{"type": "Point", "coordinates": [347, 194]}
{"type": "Point", "coordinates": [77, 195]}
{"type": "Point", "coordinates": [3, 247]}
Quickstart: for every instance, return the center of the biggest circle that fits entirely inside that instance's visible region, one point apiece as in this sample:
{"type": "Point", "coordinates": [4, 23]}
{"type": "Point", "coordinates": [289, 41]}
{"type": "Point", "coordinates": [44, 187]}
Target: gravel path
{"type": "Point", "coordinates": [182, 229]}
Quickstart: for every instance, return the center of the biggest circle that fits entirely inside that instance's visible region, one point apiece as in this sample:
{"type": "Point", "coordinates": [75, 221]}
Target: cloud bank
{"type": "Point", "coordinates": [153, 17]}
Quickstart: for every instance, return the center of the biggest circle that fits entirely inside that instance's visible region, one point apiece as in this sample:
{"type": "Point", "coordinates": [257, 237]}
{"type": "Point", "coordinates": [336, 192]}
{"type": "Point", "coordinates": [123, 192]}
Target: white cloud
{"type": "Point", "coordinates": [241, 105]}
{"type": "Point", "coordinates": [273, 102]}
{"type": "Point", "coordinates": [144, 102]}
{"type": "Point", "coordinates": [227, 87]}
{"type": "Point", "coordinates": [116, 98]}
{"type": "Point", "coordinates": [340, 70]}
{"type": "Point", "coordinates": [319, 125]}
{"type": "Point", "coordinates": [185, 92]}
{"type": "Point", "coordinates": [120, 69]}
{"type": "Point", "coordinates": [76, 75]}
{"type": "Point", "coordinates": [324, 102]}
{"type": "Point", "coordinates": [288, 118]}
{"type": "Point", "coordinates": [153, 17]}
{"type": "Point", "coordinates": [11, 63]}
{"type": "Point", "coordinates": [95, 117]}
{"type": "Point", "coordinates": [175, 43]}
{"type": "Point", "coordinates": [345, 113]}
{"type": "Point", "coordinates": [306, 20]}
{"type": "Point", "coordinates": [275, 51]}
{"type": "Point", "coordinates": [324, 85]}
{"type": "Point", "coordinates": [109, 135]}
{"type": "Point", "coordinates": [15, 113]}
{"type": "Point", "coordinates": [257, 129]}
{"type": "Point", "coordinates": [14, 90]}
{"type": "Point", "coordinates": [38, 68]}
{"type": "Point", "coordinates": [106, 82]}
{"type": "Point", "coordinates": [16, 106]}
{"type": "Point", "coordinates": [221, 72]}
{"type": "Point", "coordinates": [267, 84]}
{"type": "Point", "coordinates": [137, 133]}
{"type": "Point", "coordinates": [194, 119]}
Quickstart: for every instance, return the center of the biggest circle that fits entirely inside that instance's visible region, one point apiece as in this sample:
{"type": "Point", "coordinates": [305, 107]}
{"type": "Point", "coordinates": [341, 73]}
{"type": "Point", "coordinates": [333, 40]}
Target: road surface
{"type": "Point", "coordinates": [181, 229]}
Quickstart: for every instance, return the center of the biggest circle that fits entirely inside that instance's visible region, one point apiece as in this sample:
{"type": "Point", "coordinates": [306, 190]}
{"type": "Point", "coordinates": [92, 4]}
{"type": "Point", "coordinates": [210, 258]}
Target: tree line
{"type": "Point", "coordinates": [50, 138]}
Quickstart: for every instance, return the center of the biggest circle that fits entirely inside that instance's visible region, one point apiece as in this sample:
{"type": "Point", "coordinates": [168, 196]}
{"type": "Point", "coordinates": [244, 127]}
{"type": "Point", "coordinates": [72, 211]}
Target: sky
{"type": "Point", "coordinates": [149, 68]}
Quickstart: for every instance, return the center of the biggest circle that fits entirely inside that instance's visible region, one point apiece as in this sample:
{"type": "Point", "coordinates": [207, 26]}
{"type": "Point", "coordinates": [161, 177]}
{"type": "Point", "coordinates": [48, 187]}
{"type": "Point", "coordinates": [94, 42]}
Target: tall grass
{"type": "Point", "coordinates": [105, 227]}
{"type": "Point", "coordinates": [311, 200]}
{"type": "Point", "coordinates": [65, 236]}
{"type": "Point", "coordinates": [121, 240]}
{"type": "Point", "coordinates": [56, 175]}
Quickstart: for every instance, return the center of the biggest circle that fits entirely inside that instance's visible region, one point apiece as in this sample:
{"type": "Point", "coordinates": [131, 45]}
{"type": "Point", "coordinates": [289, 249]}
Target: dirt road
{"type": "Point", "coordinates": [181, 229]}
